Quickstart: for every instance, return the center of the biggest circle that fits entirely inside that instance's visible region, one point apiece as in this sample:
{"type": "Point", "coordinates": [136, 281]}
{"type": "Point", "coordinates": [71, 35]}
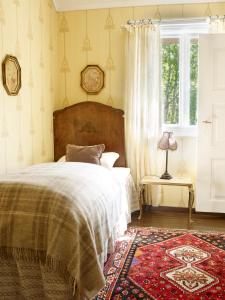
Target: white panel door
{"type": "Point", "coordinates": [210, 189]}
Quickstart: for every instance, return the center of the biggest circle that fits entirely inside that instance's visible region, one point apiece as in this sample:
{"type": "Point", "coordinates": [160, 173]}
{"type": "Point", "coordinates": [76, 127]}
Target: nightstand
{"type": "Point", "coordinates": [154, 180]}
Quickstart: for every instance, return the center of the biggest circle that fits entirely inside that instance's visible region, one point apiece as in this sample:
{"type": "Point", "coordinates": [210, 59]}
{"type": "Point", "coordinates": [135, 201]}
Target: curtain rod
{"type": "Point", "coordinates": [146, 21]}
{"type": "Point", "coordinates": [192, 20]}
{"type": "Point", "coordinates": [181, 20]}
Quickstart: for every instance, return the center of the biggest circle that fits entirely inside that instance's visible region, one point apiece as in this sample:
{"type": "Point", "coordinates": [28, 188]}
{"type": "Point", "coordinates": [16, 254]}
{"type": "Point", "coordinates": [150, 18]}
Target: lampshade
{"type": "Point", "coordinates": [167, 141]}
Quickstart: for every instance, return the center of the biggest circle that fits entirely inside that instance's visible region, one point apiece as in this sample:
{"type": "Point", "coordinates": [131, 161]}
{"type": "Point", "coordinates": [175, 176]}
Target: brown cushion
{"type": "Point", "coordinates": [87, 154]}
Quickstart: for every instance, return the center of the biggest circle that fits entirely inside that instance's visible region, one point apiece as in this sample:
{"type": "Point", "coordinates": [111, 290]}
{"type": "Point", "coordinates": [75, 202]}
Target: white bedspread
{"type": "Point", "coordinates": [129, 193]}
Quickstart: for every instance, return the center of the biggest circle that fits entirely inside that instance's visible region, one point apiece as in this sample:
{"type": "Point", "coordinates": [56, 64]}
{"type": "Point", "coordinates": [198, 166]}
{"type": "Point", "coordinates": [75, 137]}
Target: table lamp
{"type": "Point", "coordinates": [167, 142]}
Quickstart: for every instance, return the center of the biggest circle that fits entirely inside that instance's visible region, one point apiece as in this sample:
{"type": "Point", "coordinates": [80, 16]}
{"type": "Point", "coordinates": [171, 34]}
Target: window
{"type": "Point", "coordinates": [179, 58]}
{"type": "Point", "coordinates": [170, 80]}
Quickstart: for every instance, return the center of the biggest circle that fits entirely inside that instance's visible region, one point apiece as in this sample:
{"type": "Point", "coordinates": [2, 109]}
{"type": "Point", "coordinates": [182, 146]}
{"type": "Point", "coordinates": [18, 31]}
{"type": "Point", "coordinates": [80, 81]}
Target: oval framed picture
{"type": "Point", "coordinates": [92, 79]}
{"type": "Point", "coordinates": [11, 75]}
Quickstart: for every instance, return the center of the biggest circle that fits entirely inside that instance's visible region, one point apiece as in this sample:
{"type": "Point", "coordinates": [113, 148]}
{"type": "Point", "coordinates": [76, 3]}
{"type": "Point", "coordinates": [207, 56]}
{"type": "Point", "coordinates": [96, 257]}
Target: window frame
{"type": "Point", "coordinates": [185, 33]}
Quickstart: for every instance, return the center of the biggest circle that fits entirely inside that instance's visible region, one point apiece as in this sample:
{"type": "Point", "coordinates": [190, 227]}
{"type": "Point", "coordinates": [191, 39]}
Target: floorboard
{"type": "Point", "coordinates": [179, 220]}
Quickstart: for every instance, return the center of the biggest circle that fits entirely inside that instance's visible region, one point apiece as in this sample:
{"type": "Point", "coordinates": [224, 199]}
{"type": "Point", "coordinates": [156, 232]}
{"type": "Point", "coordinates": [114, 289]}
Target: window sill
{"type": "Point", "coordinates": [190, 131]}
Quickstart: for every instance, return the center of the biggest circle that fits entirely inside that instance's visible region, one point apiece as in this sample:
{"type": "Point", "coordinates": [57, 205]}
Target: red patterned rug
{"type": "Point", "coordinates": [162, 264]}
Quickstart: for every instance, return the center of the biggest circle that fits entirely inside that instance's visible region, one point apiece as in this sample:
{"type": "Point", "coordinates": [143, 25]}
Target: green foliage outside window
{"type": "Point", "coordinates": [171, 80]}
{"type": "Point", "coordinates": [193, 82]}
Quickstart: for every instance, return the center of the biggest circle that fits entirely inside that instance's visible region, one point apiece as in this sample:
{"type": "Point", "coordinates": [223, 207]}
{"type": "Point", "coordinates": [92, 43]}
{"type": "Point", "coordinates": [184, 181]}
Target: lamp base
{"type": "Point", "coordinates": [166, 175]}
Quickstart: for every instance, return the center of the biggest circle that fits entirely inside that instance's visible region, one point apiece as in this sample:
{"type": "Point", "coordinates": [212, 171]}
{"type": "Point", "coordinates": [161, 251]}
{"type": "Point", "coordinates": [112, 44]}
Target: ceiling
{"type": "Point", "coordinates": [65, 5]}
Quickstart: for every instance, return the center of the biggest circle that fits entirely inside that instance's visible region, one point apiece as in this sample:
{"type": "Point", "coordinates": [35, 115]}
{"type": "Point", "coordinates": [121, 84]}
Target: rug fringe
{"type": "Point", "coordinates": [181, 230]}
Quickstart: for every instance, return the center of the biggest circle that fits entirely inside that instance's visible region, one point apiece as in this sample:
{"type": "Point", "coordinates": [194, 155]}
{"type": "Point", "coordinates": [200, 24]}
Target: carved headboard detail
{"type": "Point", "coordinates": [89, 123]}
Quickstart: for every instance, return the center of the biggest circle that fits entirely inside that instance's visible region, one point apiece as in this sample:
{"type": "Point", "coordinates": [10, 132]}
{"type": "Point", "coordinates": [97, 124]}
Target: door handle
{"type": "Point", "coordinates": [207, 122]}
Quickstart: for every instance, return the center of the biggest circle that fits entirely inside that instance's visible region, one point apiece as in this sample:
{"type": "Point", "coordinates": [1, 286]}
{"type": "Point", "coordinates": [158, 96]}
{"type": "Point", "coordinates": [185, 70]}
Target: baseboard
{"type": "Point", "coordinates": [150, 208]}
{"type": "Point", "coordinates": [166, 208]}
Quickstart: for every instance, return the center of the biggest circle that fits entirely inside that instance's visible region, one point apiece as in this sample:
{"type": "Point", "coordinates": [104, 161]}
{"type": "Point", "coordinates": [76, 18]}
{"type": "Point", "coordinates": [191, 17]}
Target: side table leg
{"type": "Point", "coordinates": [190, 202]}
{"type": "Point", "coordinates": [141, 199]}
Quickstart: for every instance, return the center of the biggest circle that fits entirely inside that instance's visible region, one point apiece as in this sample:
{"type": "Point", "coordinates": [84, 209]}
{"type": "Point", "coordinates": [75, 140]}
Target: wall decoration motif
{"type": "Point", "coordinates": [19, 136]}
{"type": "Point", "coordinates": [182, 11]}
{"type": "Point", "coordinates": [92, 79]}
{"type": "Point", "coordinates": [41, 62]}
{"type": "Point", "coordinates": [208, 11]}
{"type": "Point", "coordinates": [19, 104]}
{"type": "Point", "coordinates": [42, 71]}
{"type": "Point", "coordinates": [30, 80]}
{"type": "Point", "coordinates": [50, 45]}
{"type": "Point", "coordinates": [16, 2]}
{"type": "Point", "coordinates": [2, 15]}
{"type": "Point", "coordinates": [17, 46]}
{"type": "Point", "coordinates": [157, 15]}
{"type": "Point", "coordinates": [65, 66]}
{"type": "Point", "coordinates": [86, 42]}
{"type": "Point", "coordinates": [43, 151]}
{"type": "Point", "coordinates": [40, 17]}
{"type": "Point", "coordinates": [86, 47]}
{"type": "Point", "coordinates": [4, 131]}
{"type": "Point", "coordinates": [29, 30]}
{"type": "Point", "coordinates": [63, 25]}
{"type": "Point", "coordinates": [11, 75]}
{"type": "Point", "coordinates": [50, 4]}
{"type": "Point", "coordinates": [109, 26]}
{"type": "Point", "coordinates": [20, 151]}
{"type": "Point", "coordinates": [31, 83]}
{"type": "Point", "coordinates": [51, 48]}
{"type": "Point", "coordinates": [51, 84]}
{"type": "Point", "coordinates": [17, 49]}
{"type": "Point", "coordinates": [64, 28]}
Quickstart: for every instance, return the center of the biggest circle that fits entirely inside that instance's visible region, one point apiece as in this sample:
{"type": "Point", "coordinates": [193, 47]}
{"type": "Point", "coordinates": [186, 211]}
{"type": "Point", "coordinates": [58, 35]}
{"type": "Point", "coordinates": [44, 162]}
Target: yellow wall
{"type": "Point", "coordinates": [102, 29]}
{"type": "Point", "coordinates": [28, 30]}
{"type": "Point", "coordinates": [51, 70]}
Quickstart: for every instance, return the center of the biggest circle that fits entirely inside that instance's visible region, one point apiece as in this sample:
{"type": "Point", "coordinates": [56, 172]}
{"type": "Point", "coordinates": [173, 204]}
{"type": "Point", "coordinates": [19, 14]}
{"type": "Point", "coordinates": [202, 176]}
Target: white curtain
{"type": "Point", "coordinates": [217, 25]}
{"type": "Point", "coordinates": [142, 99]}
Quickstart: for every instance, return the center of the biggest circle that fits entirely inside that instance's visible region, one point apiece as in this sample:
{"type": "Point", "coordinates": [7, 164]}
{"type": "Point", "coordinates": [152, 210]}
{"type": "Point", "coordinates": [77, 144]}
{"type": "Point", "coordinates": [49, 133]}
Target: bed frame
{"type": "Point", "coordinates": [89, 123]}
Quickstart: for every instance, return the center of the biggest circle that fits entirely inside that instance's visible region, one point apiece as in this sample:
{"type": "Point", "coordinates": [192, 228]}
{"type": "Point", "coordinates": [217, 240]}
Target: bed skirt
{"type": "Point", "coordinates": [32, 280]}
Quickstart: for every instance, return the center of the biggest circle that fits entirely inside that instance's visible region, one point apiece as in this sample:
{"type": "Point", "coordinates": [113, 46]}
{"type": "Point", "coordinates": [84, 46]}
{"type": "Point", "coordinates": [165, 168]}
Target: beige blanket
{"type": "Point", "coordinates": [60, 214]}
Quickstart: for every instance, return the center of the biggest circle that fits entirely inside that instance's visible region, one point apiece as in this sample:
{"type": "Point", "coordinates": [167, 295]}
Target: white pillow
{"type": "Point", "coordinates": [62, 159]}
{"type": "Point", "coordinates": [107, 159]}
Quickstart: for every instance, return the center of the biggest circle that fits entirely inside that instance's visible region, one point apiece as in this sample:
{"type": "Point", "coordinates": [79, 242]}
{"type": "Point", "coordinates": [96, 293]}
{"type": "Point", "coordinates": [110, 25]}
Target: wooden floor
{"type": "Point", "coordinates": [179, 220]}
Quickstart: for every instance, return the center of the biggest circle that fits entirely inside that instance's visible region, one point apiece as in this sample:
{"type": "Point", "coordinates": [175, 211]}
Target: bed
{"type": "Point", "coordinates": [60, 220]}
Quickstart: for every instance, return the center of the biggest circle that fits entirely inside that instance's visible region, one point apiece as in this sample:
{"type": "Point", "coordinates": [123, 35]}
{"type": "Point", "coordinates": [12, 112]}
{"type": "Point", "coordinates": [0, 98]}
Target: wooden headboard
{"type": "Point", "coordinates": [89, 123]}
